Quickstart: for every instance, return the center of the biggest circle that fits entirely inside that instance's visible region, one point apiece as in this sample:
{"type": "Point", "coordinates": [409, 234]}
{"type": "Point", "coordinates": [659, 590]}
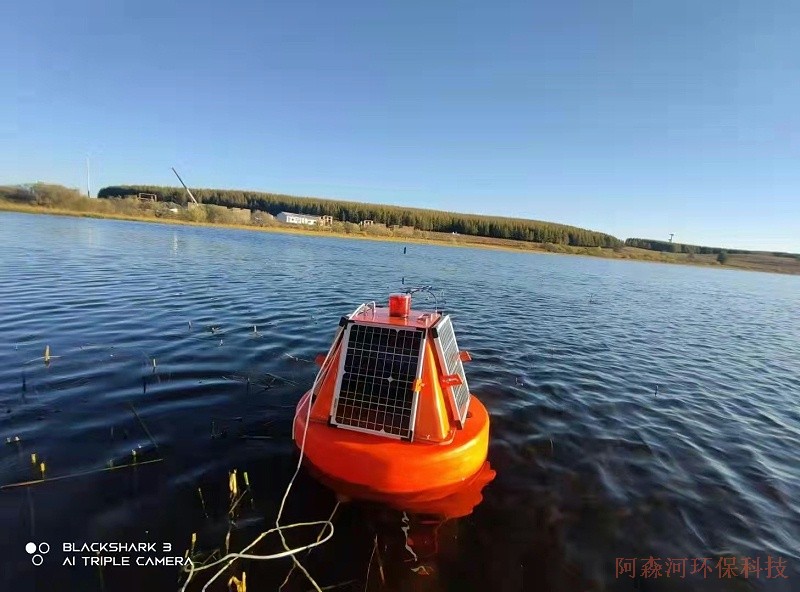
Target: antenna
{"type": "Point", "coordinates": [88, 179]}
{"type": "Point", "coordinates": [194, 201]}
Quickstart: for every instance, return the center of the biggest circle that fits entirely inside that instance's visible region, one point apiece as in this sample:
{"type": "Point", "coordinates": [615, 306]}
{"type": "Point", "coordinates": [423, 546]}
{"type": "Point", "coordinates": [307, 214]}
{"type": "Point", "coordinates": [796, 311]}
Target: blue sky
{"type": "Point", "coordinates": [638, 118]}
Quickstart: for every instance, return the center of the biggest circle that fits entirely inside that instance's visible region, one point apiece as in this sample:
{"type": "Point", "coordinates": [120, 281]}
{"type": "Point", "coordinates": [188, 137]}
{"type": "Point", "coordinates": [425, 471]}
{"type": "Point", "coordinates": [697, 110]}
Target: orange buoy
{"type": "Point", "coordinates": [390, 412]}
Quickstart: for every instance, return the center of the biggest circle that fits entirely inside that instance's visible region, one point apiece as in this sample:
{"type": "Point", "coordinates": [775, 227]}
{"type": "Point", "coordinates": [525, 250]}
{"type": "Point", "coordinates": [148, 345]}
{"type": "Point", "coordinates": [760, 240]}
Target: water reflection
{"type": "Point", "coordinates": [412, 535]}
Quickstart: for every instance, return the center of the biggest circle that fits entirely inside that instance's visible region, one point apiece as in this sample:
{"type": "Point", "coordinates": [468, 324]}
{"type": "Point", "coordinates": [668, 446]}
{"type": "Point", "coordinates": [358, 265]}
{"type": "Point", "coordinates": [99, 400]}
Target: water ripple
{"type": "Point", "coordinates": [658, 417]}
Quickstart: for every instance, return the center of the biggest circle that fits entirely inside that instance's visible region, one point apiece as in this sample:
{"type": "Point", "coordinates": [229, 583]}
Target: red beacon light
{"type": "Point", "coordinates": [399, 305]}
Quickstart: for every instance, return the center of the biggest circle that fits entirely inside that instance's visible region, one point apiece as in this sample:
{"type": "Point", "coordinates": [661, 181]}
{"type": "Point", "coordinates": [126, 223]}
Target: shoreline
{"type": "Point", "coordinates": [747, 263]}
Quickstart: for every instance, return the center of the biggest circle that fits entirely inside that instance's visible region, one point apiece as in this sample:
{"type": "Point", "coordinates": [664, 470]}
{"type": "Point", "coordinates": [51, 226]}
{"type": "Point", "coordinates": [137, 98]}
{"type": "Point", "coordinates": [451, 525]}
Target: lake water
{"type": "Point", "coordinates": [637, 409]}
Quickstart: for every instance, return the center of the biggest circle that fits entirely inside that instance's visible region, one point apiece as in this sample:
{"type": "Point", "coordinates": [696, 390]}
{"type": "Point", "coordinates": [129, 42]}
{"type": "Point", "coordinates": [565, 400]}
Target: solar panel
{"type": "Point", "coordinates": [375, 386]}
{"type": "Point", "coordinates": [449, 357]}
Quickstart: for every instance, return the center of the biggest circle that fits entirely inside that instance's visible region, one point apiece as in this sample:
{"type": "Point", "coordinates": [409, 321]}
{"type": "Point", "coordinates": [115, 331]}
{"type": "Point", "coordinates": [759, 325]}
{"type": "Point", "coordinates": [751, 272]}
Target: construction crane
{"type": "Point", "coordinates": [194, 201]}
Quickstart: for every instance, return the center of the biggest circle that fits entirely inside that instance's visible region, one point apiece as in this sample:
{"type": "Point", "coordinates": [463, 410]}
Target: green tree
{"type": "Point", "coordinates": [346, 211]}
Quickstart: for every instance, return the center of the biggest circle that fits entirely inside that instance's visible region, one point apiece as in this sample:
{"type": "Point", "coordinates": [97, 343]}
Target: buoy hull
{"type": "Point", "coordinates": [388, 466]}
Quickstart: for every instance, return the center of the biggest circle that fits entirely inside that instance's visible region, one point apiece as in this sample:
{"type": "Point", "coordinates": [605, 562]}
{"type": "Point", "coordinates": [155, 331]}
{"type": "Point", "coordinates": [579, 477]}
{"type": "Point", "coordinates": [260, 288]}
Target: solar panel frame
{"type": "Point", "coordinates": [446, 346]}
{"type": "Point", "coordinates": [364, 402]}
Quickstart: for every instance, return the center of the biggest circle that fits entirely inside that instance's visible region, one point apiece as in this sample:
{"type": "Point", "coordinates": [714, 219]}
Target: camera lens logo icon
{"type": "Point", "coordinates": [38, 552]}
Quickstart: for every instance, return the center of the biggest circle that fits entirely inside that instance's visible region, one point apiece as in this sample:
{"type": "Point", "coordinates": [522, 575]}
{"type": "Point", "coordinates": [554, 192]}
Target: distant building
{"type": "Point", "coordinates": [367, 222]}
{"type": "Point", "coordinates": [291, 218]}
{"type": "Point", "coordinates": [326, 221]}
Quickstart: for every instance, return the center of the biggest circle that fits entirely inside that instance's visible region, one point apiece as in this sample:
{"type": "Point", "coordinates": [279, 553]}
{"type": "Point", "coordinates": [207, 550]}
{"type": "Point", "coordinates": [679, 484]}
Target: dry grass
{"type": "Point", "coordinates": [764, 262]}
{"type": "Point", "coordinates": [759, 262]}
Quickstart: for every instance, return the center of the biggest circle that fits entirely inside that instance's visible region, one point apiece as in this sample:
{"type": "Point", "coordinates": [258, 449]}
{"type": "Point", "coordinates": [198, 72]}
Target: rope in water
{"type": "Point", "coordinates": [288, 552]}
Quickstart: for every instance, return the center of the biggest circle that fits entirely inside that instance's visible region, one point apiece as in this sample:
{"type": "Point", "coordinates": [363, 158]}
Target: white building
{"type": "Point", "coordinates": [291, 218]}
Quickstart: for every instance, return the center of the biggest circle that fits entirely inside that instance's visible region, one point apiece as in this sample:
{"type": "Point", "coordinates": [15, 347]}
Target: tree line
{"type": "Point", "coordinates": [355, 212]}
{"type": "Point", "coordinates": [346, 213]}
{"type": "Point", "coordinates": [657, 245]}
